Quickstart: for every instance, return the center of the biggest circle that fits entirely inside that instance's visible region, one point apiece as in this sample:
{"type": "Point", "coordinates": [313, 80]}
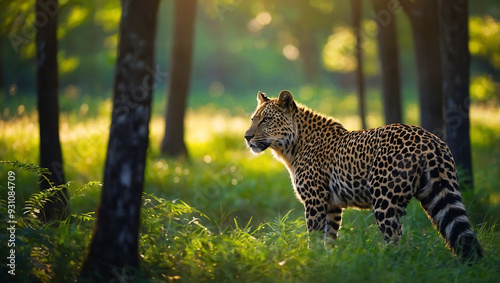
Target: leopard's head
{"type": "Point", "coordinates": [272, 123]}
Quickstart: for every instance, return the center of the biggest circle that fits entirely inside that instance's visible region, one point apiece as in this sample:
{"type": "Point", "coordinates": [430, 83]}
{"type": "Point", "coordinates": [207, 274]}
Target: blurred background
{"type": "Point", "coordinates": [240, 47]}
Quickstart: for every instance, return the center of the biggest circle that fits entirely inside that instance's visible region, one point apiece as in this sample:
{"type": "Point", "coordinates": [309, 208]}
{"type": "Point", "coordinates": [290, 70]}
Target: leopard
{"type": "Point", "coordinates": [382, 169]}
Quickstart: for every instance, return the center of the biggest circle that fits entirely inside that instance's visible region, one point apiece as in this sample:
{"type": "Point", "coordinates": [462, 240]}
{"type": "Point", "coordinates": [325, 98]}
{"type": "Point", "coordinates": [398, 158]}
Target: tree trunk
{"type": "Point", "coordinates": [2, 37]}
{"type": "Point", "coordinates": [308, 43]}
{"type": "Point", "coordinates": [456, 61]}
{"type": "Point", "coordinates": [308, 53]}
{"type": "Point", "coordinates": [217, 68]}
{"type": "Point", "coordinates": [47, 84]}
{"type": "Point", "coordinates": [424, 18]}
{"type": "Point", "coordinates": [115, 242]}
{"type": "Point", "coordinates": [389, 61]}
{"type": "Point", "coordinates": [356, 23]}
{"type": "Point", "coordinates": [173, 142]}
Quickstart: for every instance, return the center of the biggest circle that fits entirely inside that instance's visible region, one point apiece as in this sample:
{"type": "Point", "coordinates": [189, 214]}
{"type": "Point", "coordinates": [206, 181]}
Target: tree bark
{"type": "Point", "coordinates": [356, 23]}
{"type": "Point", "coordinates": [2, 37]}
{"type": "Point", "coordinates": [115, 242]}
{"type": "Point", "coordinates": [173, 142]}
{"type": "Point", "coordinates": [456, 61]}
{"type": "Point", "coordinates": [47, 84]}
{"type": "Point", "coordinates": [424, 19]}
{"type": "Point", "coordinates": [308, 43]}
{"type": "Point", "coordinates": [389, 61]}
{"type": "Point", "coordinates": [308, 52]}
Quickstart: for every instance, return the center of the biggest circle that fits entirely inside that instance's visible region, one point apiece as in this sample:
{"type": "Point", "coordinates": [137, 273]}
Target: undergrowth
{"type": "Point", "coordinates": [228, 216]}
{"type": "Point", "coordinates": [180, 243]}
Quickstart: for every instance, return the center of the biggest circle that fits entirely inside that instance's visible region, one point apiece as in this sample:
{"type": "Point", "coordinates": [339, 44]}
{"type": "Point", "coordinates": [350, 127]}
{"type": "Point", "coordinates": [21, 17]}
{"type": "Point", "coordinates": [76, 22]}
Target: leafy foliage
{"type": "Point", "coordinates": [239, 44]}
{"type": "Point", "coordinates": [227, 215]}
{"type": "Point", "coordinates": [177, 243]}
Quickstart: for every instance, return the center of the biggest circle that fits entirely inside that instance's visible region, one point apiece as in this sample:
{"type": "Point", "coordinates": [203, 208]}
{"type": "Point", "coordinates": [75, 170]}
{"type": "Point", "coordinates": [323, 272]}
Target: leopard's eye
{"type": "Point", "coordinates": [266, 119]}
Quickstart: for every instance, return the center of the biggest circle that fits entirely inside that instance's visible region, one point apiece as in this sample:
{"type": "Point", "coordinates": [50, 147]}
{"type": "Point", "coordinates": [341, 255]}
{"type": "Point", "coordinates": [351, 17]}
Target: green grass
{"type": "Point", "coordinates": [228, 215]}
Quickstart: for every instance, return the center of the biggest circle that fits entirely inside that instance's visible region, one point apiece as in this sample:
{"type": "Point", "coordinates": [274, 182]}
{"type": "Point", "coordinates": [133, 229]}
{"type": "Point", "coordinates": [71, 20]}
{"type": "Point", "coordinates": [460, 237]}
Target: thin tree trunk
{"type": "Point", "coordinates": [389, 61]}
{"type": "Point", "coordinates": [356, 23]}
{"type": "Point", "coordinates": [173, 142]}
{"type": "Point", "coordinates": [47, 84]}
{"type": "Point", "coordinates": [2, 37]}
{"type": "Point", "coordinates": [115, 242]}
{"type": "Point", "coordinates": [308, 44]}
{"type": "Point", "coordinates": [424, 18]}
{"type": "Point", "coordinates": [309, 54]}
{"type": "Point", "coordinates": [217, 69]}
{"type": "Point", "coordinates": [456, 61]}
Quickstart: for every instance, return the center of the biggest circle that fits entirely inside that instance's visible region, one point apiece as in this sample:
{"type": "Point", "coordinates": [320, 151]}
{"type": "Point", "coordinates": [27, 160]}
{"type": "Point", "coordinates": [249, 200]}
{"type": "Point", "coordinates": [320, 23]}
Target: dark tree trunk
{"type": "Point", "coordinates": [173, 142]}
{"type": "Point", "coordinates": [424, 18]}
{"type": "Point", "coordinates": [309, 54]}
{"type": "Point", "coordinates": [389, 61]}
{"type": "Point", "coordinates": [356, 23]}
{"type": "Point", "coordinates": [2, 37]}
{"type": "Point", "coordinates": [47, 84]}
{"type": "Point", "coordinates": [307, 42]}
{"type": "Point", "coordinates": [115, 242]}
{"type": "Point", "coordinates": [456, 60]}
{"type": "Point", "coordinates": [217, 69]}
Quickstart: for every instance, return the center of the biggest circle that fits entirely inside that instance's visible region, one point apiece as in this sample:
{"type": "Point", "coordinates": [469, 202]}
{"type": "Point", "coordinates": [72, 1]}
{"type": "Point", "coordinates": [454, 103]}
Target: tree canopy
{"type": "Point", "coordinates": [240, 45]}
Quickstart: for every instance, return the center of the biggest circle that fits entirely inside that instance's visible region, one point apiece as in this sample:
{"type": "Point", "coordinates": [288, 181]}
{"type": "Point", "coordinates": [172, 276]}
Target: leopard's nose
{"type": "Point", "coordinates": [249, 137]}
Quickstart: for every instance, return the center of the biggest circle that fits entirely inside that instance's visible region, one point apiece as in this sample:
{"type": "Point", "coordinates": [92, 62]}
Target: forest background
{"type": "Point", "coordinates": [240, 47]}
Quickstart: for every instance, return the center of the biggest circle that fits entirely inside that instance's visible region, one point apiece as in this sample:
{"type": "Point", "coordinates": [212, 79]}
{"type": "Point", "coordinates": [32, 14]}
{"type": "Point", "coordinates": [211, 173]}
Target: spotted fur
{"type": "Point", "coordinates": [380, 169]}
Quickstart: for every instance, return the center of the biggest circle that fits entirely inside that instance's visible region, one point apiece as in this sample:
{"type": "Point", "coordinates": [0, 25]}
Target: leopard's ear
{"type": "Point", "coordinates": [262, 98]}
{"type": "Point", "coordinates": [285, 101]}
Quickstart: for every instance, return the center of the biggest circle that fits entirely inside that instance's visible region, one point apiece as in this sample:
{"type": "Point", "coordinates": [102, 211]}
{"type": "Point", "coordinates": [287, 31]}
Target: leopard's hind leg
{"type": "Point", "coordinates": [388, 207]}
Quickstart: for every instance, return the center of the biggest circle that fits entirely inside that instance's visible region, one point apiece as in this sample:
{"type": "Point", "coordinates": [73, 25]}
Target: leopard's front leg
{"type": "Point", "coordinates": [314, 197]}
{"type": "Point", "coordinates": [323, 219]}
{"type": "Point", "coordinates": [316, 216]}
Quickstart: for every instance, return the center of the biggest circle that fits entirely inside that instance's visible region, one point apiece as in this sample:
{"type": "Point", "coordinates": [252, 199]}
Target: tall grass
{"type": "Point", "coordinates": [228, 215]}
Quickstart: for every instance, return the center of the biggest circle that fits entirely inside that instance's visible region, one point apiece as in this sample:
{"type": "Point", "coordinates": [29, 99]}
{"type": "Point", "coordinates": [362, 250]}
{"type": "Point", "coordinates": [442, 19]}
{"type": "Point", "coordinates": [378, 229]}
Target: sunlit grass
{"type": "Point", "coordinates": [485, 126]}
{"type": "Point", "coordinates": [245, 231]}
{"type": "Point", "coordinates": [215, 142]}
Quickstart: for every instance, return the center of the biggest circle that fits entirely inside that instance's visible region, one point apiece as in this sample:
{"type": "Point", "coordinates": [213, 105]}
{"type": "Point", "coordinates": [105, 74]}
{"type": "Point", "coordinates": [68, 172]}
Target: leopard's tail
{"type": "Point", "coordinates": [440, 197]}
